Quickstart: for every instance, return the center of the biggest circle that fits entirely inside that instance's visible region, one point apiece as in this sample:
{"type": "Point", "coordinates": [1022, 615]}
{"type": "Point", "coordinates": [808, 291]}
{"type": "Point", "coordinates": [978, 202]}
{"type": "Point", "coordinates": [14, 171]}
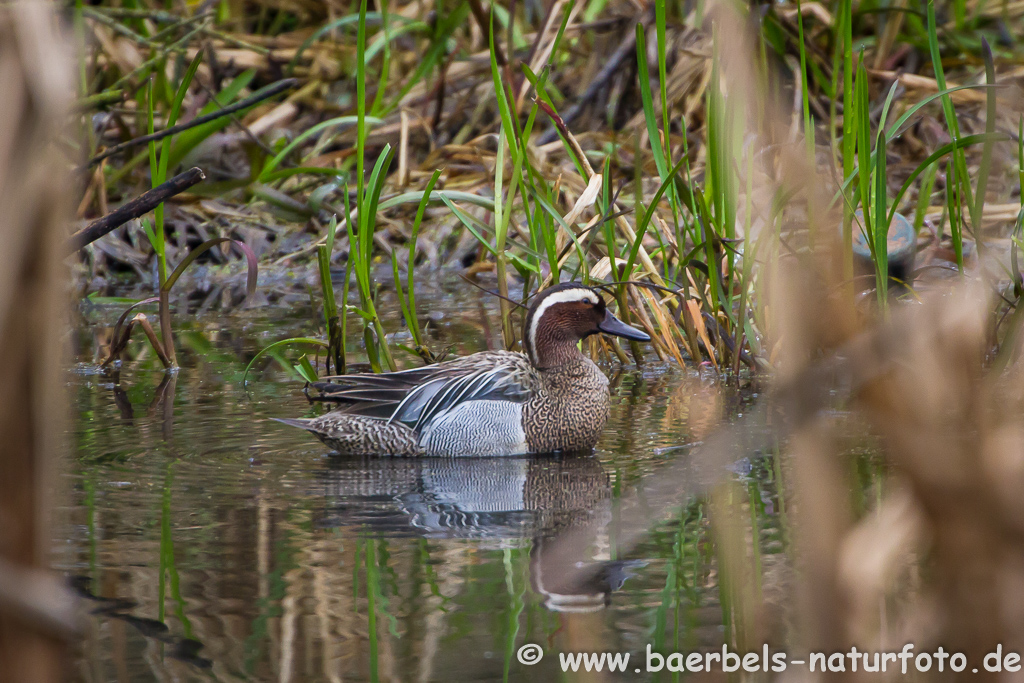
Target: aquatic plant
{"type": "Point", "coordinates": [159, 164]}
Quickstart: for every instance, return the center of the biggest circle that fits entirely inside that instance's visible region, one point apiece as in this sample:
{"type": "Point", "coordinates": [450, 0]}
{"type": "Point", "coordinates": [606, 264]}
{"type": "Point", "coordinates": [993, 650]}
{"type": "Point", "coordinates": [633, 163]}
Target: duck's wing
{"type": "Point", "coordinates": [416, 396]}
{"type": "Point", "coordinates": [372, 395]}
{"type": "Point", "coordinates": [428, 401]}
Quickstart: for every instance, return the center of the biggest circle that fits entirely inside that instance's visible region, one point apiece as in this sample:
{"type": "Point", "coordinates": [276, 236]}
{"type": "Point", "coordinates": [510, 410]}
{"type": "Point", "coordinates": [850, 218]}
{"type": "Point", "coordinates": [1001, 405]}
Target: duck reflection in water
{"type": "Point", "coordinates": [534, 499]}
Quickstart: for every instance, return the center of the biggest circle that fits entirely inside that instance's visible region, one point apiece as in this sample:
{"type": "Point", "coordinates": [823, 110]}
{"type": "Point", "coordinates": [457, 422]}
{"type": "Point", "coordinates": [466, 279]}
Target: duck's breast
{"type": "Point", "coordinates": [570, 413]}
{"type": "Point", "coordinates": [481, 428]}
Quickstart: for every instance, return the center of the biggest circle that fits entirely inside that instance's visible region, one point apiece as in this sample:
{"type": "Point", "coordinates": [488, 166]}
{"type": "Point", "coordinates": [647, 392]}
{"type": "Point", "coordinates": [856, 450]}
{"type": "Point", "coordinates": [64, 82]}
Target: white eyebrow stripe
{"type": "Point", "coordinates": [574, 294]}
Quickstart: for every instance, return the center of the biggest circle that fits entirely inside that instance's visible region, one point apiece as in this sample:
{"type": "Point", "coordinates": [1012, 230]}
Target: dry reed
{"type": "Point", "coordinates": [36, 612]}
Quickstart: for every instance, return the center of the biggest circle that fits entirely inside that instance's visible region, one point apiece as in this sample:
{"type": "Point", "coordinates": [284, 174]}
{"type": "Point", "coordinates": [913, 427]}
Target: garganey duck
{"type": "Point", "coordinates": [551, 398]}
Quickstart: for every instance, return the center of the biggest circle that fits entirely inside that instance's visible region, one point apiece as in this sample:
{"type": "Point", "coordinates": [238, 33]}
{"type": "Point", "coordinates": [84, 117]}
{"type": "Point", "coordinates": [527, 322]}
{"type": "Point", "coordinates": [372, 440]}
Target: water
{"type": "Point", "coordinates": [211, 543]}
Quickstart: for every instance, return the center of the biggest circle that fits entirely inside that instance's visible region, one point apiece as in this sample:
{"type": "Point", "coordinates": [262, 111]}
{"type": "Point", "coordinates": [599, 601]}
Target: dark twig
{"type": "Point", "coordinates": [442, 78]}
{"type": "Point", "coordinates": [237, 121]}
{"type": "Point", "coordinates": [255, 98]}
{"type": "Point", "coordinates": [139, 206]}
{"type": "Point", "coordinates": [483, 18]}
{"type": "Point", "coordinates": [487, 291]}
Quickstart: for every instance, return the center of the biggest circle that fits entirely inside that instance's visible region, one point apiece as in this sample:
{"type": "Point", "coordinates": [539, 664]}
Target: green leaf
{"type": "Point", "coordinates": [648, 101]}
{"type": "Point", "coordinates": [641, 227]}
{"type": "Point", "coordinates": [437, 196]}
{"type": "Point", "coordinates": [881, 225]}
{"type": "Point", "coordinates": [305, 369]}
{"type": "Point", "coordinates": [309, 341]}
{"type": "Point", "coordinates": [273, 163]}
{"type": "Point", "coordinates": [172, 117]}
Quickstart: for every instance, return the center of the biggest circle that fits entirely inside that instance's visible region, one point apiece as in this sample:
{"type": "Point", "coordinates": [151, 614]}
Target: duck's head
{"type": "Point", "coordinates": [561, 316]}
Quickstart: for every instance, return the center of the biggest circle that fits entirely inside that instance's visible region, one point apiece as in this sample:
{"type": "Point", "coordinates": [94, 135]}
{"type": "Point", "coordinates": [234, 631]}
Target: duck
{"type": "Point", "coordinates": [549, 398]}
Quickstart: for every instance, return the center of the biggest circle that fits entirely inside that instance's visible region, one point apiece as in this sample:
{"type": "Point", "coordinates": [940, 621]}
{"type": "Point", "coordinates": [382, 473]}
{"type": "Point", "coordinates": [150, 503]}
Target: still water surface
{"type": "Point", "coordinates": [211, 543]}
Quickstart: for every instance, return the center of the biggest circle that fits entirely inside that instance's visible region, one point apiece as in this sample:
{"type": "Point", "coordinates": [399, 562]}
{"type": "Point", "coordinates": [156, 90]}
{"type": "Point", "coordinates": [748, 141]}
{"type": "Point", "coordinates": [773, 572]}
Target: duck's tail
{"type": "Point", "coordinates": [300, 422]}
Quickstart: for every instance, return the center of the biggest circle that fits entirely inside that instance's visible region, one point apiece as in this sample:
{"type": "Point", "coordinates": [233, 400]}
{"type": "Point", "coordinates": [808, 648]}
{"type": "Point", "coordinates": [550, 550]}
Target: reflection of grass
{"type": "Point", "coordinates": [388, 583]}
{"type": "Point", "coordinates": [514, 610]}
{"type": "Point", "coordinates": [372, 596]}
{"type": "Point", "coordinates": [168, 566]}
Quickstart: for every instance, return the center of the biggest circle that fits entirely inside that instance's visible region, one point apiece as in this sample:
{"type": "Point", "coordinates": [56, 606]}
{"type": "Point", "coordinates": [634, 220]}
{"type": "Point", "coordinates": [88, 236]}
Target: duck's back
{"type": "Point", "coordinates": [414, 396]}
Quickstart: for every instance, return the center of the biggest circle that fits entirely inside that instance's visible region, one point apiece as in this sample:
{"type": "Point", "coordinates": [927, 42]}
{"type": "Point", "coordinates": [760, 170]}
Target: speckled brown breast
{"type": "Point", "coordinates": [569, 410]}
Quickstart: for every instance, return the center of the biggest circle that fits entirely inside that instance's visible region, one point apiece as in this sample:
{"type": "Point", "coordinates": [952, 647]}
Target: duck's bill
{"type": "Point", "coordinates": [612, 325]}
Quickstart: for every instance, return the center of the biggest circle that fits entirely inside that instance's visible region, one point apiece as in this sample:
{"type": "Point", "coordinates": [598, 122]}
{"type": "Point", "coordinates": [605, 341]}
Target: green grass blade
{"type": "Point", "coordinates": [309, 341]}
{"type": "Point", "coordinates": [924, 195]}
{"type": "Point", "coordinates": [361, 110]}
{"type": "Point", "coordinates": [305, 369]}
{"type": "Point", "coordinates": [250, 257]}
{"type": "Point", "coordinates": [952, 124]}
{"type": "Point", "coordinates": [339, 121]}
{"type": "Point", "coordinates": [156, 233]}
{"type": "Point", "coordinates": [954, 207]}
{"type": "Point", "coordinates": [863, 117]}
{"type": "Point", "coordinates": [896, 129]}
{"type": "Point", "coordinates": [849, 130]}
{"type": "Point", "coordinates": [646, 98]}
{"type": "Point", "coordinates": [421, 210]}
{"type": "Point", "coordinates": [881, 250]}
{"type": "Point", "coordinates": [366, 57]}
{"type": "Point", "coordinates": [948, 148]}
{"type": "Point", "coordinates": [437, 196]}
{"type": "Point", "coordinates": [641, 226]}
{"type": "Point", "coordinates": [804, 88]}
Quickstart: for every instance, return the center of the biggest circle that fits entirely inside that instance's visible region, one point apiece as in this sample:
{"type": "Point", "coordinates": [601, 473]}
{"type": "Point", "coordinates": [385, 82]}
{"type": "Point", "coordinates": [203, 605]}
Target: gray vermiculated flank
{"type": "Point", "coordinates": [484, 428]}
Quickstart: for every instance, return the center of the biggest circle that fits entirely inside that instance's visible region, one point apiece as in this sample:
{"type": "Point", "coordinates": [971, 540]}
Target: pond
{"type": "Point", "coordinates": [211, 543]}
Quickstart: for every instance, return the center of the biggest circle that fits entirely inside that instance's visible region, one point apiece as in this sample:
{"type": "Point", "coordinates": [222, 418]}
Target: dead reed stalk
{"type": "Point", "coordinates": [35, 612]}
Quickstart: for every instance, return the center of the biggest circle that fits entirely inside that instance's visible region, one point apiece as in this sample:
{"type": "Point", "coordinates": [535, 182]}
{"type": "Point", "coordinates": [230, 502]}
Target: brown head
{"type": "Point", "coordinates": [561, 316]}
